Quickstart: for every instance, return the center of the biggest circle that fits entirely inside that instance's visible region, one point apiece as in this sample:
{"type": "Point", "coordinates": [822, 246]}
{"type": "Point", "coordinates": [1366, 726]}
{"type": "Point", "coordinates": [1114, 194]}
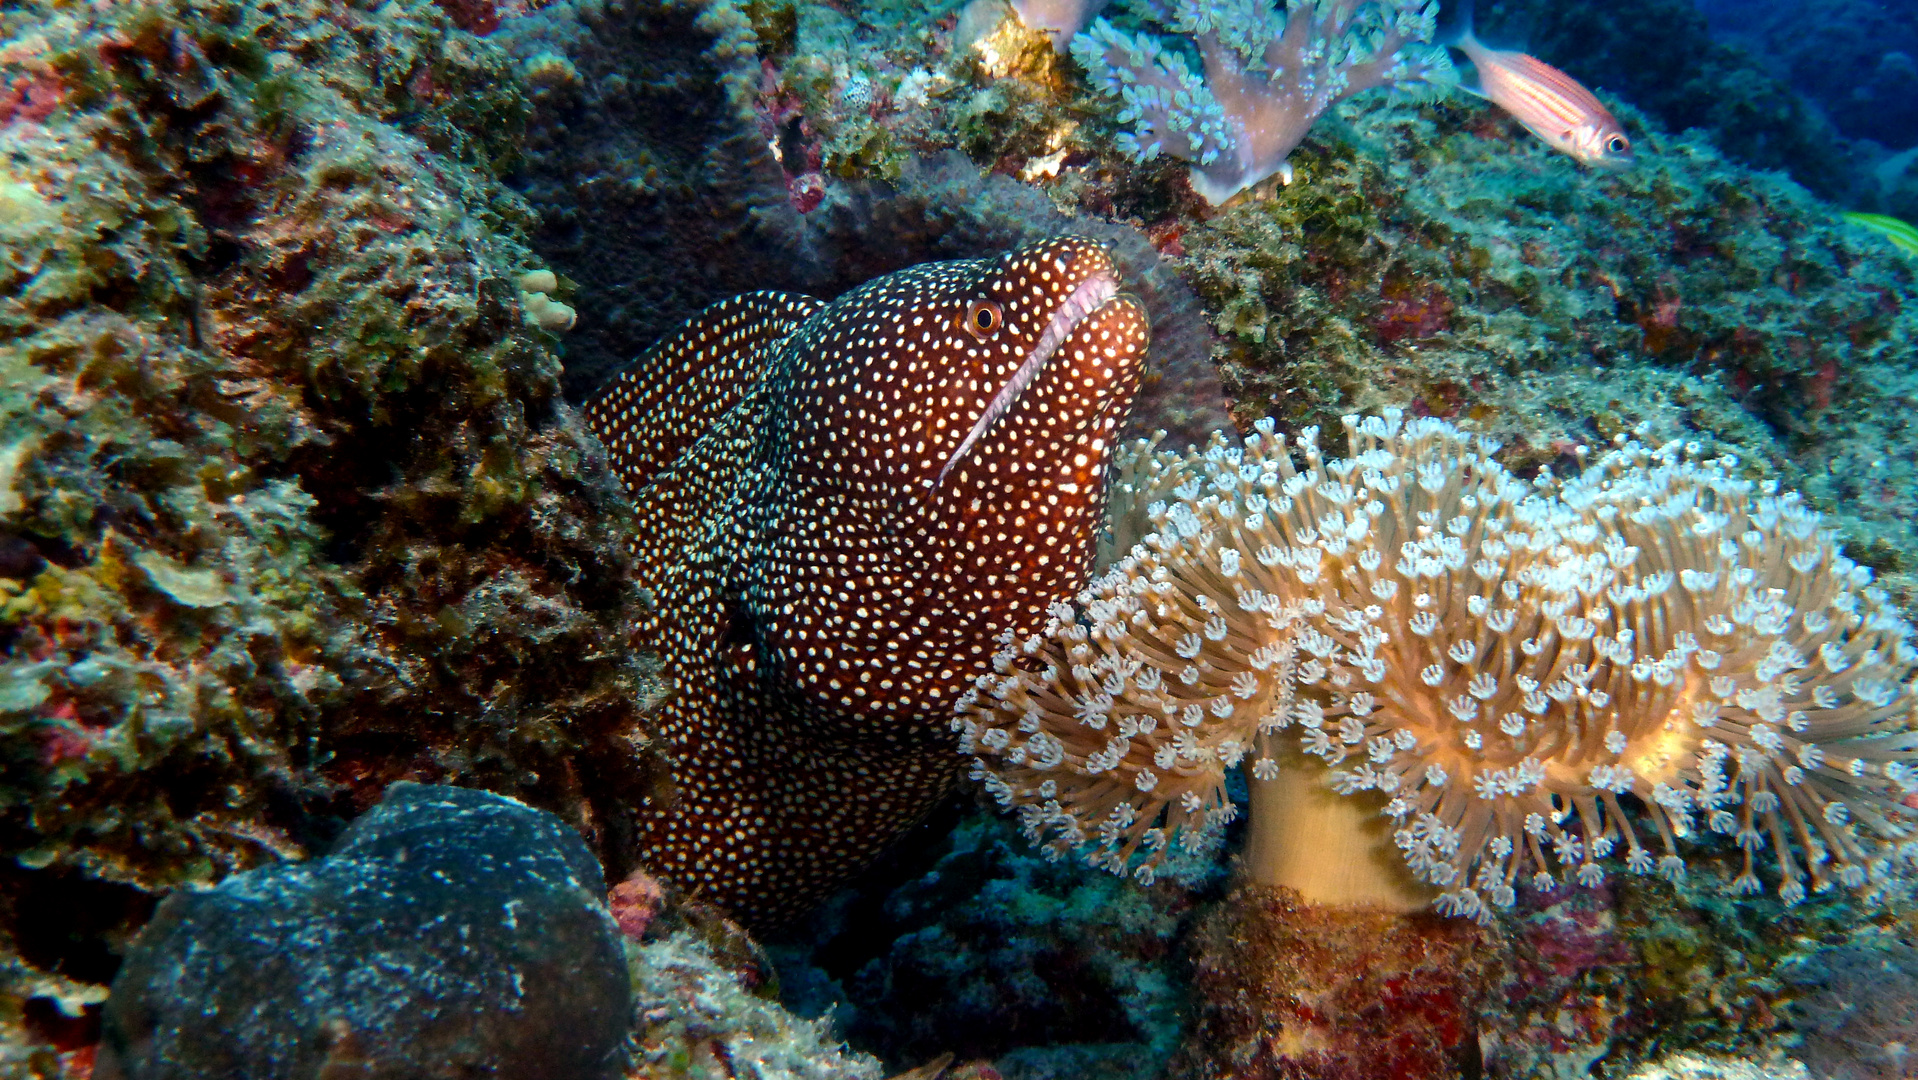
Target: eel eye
{"type": "Point", "coordinates": [1617, 144]}
{"type": "Point", "coordinates": [982, 318]}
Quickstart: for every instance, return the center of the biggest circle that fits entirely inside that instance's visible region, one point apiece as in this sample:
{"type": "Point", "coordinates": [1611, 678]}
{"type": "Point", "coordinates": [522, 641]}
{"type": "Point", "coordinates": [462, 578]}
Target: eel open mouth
{"type": "Point", "coordinates": [1087, 297]}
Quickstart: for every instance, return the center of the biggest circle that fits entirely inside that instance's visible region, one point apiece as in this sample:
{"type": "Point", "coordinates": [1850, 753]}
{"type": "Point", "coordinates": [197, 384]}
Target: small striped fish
{"type": "Point", "coordinates": [1900, 233]}
{"type": "Point", "coordinates": [1551, 104]}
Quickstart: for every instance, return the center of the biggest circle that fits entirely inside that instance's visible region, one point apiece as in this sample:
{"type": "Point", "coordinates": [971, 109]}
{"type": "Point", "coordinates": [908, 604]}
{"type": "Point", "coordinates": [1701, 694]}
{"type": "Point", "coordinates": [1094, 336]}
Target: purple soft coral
{"type": "Point", "coordinates": [1057, 19]}
{"type": "Point", "coordinates": [1267, 77]}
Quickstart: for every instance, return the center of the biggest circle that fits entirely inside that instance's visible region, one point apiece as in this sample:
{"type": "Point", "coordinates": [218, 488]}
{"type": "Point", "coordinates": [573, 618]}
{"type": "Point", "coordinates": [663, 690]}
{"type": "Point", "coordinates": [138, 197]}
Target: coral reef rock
{"type": "Point", "coordinates": [1857, 1010]}
{"type": "Point", "coordinates": [1290, 989]}
{"type": "Point", "coordinates": [290, 505]}
{"type": "Point", "coordinates": [452, 933]}
{"type": "Point", "coordinates": [702, 1013]}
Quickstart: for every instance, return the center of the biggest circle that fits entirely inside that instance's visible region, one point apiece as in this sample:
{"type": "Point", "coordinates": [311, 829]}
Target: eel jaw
{"type": "Point", "coordinates": [1087, 297]}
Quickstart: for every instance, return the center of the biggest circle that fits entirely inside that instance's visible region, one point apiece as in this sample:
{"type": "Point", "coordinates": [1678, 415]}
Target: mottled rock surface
{"type": "Point", "coordinates": [452, 933]}
{"type": "Point", "coordinates": [1856, 1009]}
{"type": "Point", "coordinates": [290, 504]}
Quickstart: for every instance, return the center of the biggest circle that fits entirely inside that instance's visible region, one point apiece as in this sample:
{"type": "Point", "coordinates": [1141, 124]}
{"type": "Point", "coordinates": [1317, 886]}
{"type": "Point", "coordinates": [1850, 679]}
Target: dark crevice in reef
{"type": "Point", "coordinates": [51, 1023]}
{"type": "Point", "coordinates": [857, 929]}
{"type": "Point", "coordinates": [924, 954]}
{"type": "Point", "coordinates": [64, 922]}
{"type": "Point", "coordinates": [650, 187]}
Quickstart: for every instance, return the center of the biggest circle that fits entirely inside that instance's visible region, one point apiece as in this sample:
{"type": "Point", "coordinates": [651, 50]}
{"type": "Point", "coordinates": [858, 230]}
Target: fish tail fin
{"type": "Point", "coordinates": [1458, 34]}
{"type": "Point", "coordinates": [1457, 31]}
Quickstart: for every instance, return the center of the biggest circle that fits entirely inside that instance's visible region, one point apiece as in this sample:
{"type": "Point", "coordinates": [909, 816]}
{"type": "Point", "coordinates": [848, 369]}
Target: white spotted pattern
{"type": "Point", "coordinates": [822, 595]}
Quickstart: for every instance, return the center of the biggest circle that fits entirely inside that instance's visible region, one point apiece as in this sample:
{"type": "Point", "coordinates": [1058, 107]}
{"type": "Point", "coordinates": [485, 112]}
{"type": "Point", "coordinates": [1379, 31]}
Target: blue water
{"type": "Point", "coordinates": [1856, 60]}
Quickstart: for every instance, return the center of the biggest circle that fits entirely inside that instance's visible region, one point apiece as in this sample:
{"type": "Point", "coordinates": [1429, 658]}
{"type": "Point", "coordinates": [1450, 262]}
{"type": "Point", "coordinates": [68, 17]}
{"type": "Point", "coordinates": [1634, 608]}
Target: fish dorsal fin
{"type": "Point", "coordinates": [664, 401]}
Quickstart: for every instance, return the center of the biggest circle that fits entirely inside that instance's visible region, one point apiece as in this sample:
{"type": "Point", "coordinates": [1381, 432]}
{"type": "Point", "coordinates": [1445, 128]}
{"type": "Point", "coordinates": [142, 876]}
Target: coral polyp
{"type": "Point", "coordinates": [1533, 674]}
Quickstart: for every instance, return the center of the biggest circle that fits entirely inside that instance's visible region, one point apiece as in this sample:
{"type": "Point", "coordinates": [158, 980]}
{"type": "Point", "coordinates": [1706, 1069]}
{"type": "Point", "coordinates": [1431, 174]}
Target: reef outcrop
{"type": "Point", "coordinates": [451, 931]}
{"type": "Point", "coordinates": [290, 504]}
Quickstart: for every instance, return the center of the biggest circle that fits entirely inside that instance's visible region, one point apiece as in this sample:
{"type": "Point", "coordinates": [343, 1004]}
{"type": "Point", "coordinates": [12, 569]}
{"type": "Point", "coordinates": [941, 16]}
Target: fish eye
{"type": "Point", "coordinates": [1617, 144]}
{"type": "Point", "coordinates": [982, 318]}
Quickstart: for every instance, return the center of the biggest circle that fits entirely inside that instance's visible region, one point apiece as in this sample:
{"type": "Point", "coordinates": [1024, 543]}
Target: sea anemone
{"type": "Point", "coordinates": [1530, 676]}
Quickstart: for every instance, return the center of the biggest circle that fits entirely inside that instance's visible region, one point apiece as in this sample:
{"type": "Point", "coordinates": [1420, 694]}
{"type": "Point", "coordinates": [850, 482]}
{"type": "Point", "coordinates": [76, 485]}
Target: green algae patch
{"type": "Point", "coordinates": [21, 207]}
{"type": "Point", "coordinates": [192, 588]}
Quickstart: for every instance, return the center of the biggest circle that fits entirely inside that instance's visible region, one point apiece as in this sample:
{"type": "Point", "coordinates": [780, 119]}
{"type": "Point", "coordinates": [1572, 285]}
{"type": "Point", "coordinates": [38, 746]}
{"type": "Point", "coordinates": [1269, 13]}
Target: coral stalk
{"type": "Point", "coordinates": [1294, 821]}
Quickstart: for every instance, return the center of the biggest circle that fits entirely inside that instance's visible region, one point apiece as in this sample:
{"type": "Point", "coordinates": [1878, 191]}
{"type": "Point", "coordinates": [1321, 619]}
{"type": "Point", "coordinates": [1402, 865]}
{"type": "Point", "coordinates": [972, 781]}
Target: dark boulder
{"type": "Point", "coordinates": [451, 933]}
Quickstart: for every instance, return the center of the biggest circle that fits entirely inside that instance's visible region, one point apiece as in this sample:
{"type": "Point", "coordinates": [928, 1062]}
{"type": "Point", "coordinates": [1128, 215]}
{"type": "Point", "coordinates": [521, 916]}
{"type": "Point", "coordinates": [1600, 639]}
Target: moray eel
{"type": "Point", "coordinates": [842, 508]}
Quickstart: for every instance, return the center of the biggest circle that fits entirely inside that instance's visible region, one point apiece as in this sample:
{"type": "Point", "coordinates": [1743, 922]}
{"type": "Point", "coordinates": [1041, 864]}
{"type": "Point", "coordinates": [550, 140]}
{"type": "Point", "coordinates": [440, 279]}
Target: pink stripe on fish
{"type": "Point", "coordinates": [1550, 104]}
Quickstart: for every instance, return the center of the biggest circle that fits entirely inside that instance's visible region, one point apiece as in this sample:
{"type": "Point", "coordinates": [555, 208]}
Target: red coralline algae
{"type": "Point", "coordinates": [472, 16]}
{"type": "Point", "coordinates": [807, 191]}
{"type": "Point", "coordinates": [635, 903]}
{"type": "Point", "coordinates": [1821, 383]}
{"type": "Point", "coordinates": [30, 99]}
{"type": "Point", "coordinates": [1298, 990]}
{"type": "Point", "coordinates": [1408, 311]}
{"type": "Point", "coordinates": [1168, 237]}
{"type": "Point", "coordinates": [782, 121]}
{"type": "Point", "coordinates": [1658, 319]}
{"type": "Point", "coordinates": [1574, 935]}
{"type": "Point", "coordinates": [79, 1063]}
{"type": "Point", "coordinates": [1548, 1013]}
{"type": "Point", "coordinates": [62, 742]}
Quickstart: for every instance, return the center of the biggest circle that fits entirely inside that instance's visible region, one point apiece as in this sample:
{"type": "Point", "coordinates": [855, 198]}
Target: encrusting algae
{"type": "Point", "coordinates": [290, 504]}
{"type": "Point", "coordinates": [1498, 660]}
